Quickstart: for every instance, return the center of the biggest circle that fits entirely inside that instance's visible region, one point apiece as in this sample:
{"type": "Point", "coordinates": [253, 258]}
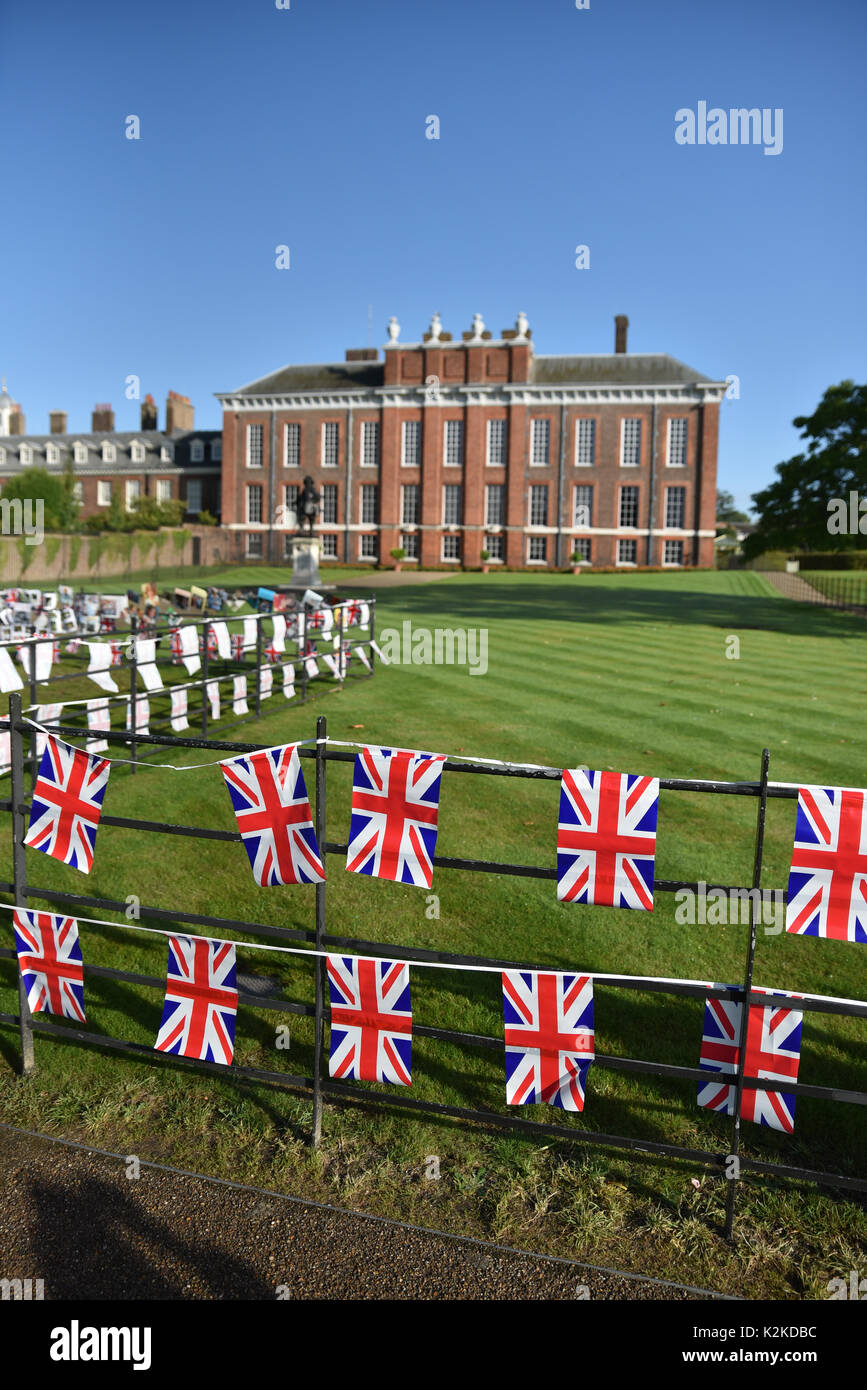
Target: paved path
{"type": "Point", "coordinates": [72, 1218]}
{"type": "Point", "coordinates": [793, 586]}
{"type": "Point", "coordinates": [387, 579]}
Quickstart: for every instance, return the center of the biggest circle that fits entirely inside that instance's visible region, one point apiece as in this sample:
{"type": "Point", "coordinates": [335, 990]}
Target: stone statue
{"type": "Point", "coordinates": [436, 328]}
{"type": "Point", "coordinates": [521, 324]}
{"type": "Point", "coordinates": [308, 505]}
{"type": "Point", "coordinates": [478, 326]}
{"type": "Point", "coordinates": [393, 329]}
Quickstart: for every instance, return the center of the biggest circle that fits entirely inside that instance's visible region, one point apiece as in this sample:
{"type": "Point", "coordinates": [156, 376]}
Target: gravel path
{"type": "Point", "coordinates": [794, 587]}
{"type": "Point", "coordinates": [74, 1219]}
{"type": "Point", "coordinates": [388, 579]}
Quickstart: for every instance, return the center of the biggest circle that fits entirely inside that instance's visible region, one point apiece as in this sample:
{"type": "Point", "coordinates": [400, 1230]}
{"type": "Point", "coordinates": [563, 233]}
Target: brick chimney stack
{"type": "Point", "coordinates": [102, 419]}
{"type": "Point", "coordinates": [621, 324]}
{"type": "Point", "coordinates": [149, 414]}
{"type": "Point", "coordinates": [57, 421]}
{"type": "Point", "coordinates": [17, 420]}
{"type": "Point", "coordinates": [179, 413]}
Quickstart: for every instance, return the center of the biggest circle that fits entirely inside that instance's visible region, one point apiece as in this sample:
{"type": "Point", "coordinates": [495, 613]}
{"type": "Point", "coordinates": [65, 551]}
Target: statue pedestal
{"type": "Point", "coordinates": [305, 562]}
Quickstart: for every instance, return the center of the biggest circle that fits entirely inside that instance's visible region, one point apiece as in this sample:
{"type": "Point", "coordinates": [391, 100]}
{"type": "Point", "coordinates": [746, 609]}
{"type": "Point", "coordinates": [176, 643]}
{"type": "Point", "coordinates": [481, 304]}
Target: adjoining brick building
{"type": "Point", "coordinates": [450, 448]}
{"type": "Point", "coordinates": [178, 463]}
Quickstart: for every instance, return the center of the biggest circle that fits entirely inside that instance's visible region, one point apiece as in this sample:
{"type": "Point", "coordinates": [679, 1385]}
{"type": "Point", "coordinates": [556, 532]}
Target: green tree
{"type": "Point", "coordinates": [71, 507]}
{"type": "Point", "coordinates": [726, 511]}
{"type": "Point", "coordinates": [34, 485]}
{"type": "Point", "coordinates": [793, 512]}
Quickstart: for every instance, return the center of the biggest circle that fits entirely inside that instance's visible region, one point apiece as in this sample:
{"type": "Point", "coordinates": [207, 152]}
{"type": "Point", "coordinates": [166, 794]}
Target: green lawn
{"type": "Point", "coordinates": [221, 576]}
{"type": "Point", "coordinates": [623, 671]}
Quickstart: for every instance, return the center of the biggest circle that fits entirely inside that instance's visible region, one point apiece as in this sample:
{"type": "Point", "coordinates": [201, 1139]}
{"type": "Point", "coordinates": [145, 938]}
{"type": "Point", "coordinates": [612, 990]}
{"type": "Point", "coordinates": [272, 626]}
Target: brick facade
{"type": "Point", "coordinates": [471, 383]}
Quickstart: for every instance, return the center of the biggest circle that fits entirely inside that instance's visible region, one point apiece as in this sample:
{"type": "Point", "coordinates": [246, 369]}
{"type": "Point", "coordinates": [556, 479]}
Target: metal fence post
{"type": "Point", "coordinates": [259, 621]}
{"type": "Point", "coordinates": [302, 636]}
{"type": "Point", "coordinates": [319, 1016]}
{"type": "Point", "coordinates": [755, 918]}
{"type": "Point", "coordinates": [19, 869]}
{"type": "Point", "coordinates": [32, 678]}
{"type": "Point", "coordinates": [133, 700]}
{"type": "Point", "coordinates": [204, 681]}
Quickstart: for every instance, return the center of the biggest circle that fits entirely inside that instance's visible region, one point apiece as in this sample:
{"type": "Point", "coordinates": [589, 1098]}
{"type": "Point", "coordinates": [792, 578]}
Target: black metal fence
{"type": "Point", "coordinates": [847, 591]}
{"type": "Point", "coordinates": [728, 1165]}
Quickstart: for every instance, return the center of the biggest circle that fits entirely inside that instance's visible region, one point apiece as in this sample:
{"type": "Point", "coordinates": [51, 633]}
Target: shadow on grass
{"type": "Point", "coordinates": [588, 602]}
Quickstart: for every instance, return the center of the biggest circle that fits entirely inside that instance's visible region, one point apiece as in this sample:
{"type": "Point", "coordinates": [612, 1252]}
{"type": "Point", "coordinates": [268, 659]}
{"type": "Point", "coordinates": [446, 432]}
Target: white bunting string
{"type": "Point", "coordinates": [169, 767]}
{"type": "Point", "coordinates": [312, 952]}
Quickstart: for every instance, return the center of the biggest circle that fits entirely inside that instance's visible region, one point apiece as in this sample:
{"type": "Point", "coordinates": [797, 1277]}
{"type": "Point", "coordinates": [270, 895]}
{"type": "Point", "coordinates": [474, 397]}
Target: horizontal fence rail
{"type": "Point", "coordinates": [314, 943]}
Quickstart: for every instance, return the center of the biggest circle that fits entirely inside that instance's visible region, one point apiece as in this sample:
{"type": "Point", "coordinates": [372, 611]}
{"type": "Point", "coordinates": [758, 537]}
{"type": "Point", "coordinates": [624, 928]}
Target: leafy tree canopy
{"type": "Point", "coordinates": [793, 512]}
{"type": "Point", "coordinates": [60, 507]}
{"type": "Point", "coordinates": [726, 509]}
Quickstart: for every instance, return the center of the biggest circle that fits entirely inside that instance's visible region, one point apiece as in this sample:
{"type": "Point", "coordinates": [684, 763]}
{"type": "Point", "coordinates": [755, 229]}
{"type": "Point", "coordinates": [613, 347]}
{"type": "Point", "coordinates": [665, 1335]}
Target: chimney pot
{"type": "Point", "coordinates": [57, 421]}
{"type": "Point", "coordinates": [621, 324]}
{"type": "Point", "coordinates": [102, 419]}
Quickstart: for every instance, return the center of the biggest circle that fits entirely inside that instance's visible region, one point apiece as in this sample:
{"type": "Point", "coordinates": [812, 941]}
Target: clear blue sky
{"type": "Point", "coordinates": [306, 126]}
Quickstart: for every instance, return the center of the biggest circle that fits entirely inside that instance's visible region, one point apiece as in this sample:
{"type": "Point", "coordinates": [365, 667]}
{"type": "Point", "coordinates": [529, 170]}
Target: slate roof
{"type": "Point", "coordinates": [614, 369]}
{"type": "Point", "coordinates": [153, 440]}
{"type": "Point", "coordinates": [316, 376]}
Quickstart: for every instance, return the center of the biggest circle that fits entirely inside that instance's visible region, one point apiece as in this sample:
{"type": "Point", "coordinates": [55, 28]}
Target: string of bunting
{"type": "Point", "coordinates": [37, 656]}
{"type": "Point", "coordinates": [606, 846]}
{"type": "Point", "coordinates": [548, 1016]}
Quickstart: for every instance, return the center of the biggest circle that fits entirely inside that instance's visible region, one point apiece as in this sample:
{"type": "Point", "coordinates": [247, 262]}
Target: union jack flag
{"type": "Point", "coordinates": [321, 619]}
{"type": "Point", "coordinates": [116, 654]}
{"type": "Point", "coordinates": [371, 1020]}
{"type": "Point", "coordinates": [772, 1054]}
{"type": "Point", "coordinates": [176, 645]}
{"type": "Point", "coordinates": [827, 893]}
{"type": "Point", "coordinates": [273, 654]}
{"type": "Point", "coordinates": [269, 797]}
{"type": "Point", "coordinates": [237, 646]}
{"type": "Point", "coordinates": [549, 1037]}
{"type": "Point", "coordinates": [67, 802]}
{"type": "Point", "coordinates": [606, 839]}
{"type": "Point", "coordinates": [49, 957]}
{"type": "Point", "coordinates": [201, 1000]}
{"type": "Point", "coordinates": [395, 802]}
